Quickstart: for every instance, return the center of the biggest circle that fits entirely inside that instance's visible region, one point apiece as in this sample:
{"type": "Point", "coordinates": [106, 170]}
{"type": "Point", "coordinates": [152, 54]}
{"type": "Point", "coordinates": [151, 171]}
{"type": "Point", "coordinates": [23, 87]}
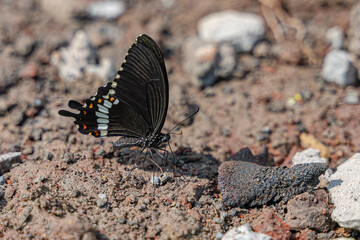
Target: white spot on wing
{"type": "Point", "coordinates": [103, 133]}
{"type": "Point", "coordinates": [107, 104]}
{"type": "Point", "coordinates": [102, 120]}
{"type": "Point", "coordinates": [101, 115]}
{"type": "Point", "coordinates": [111, 91]}
{"type": "Point", "coordinates": [116, 101]}
{"type": "Point", "coordinates": [103, 109]}
{"type": "Point", "coordinates": [102, 126]}
{"type": "Point", "coordinates": [114, 84]}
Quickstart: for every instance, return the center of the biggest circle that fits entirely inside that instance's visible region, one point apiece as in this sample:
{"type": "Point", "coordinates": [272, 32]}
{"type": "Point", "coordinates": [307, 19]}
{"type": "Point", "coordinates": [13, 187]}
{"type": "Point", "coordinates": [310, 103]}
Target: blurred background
{"type": "Point", "coordinates": [262, 72]}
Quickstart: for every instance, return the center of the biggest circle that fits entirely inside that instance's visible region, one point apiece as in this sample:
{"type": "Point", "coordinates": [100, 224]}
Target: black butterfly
{"type": "Point", "coordinates": [134, 105]}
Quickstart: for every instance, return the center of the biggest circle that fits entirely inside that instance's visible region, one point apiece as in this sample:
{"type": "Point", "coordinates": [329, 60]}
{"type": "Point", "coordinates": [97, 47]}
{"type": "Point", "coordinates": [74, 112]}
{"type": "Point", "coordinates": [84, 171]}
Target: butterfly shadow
{"type": "Point", "coordinates": [181, 163]}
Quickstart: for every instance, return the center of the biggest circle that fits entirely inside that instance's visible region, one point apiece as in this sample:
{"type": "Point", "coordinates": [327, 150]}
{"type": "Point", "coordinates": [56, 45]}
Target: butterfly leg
{"type": "Point", "coordinates": [153, 160]}
{"type": "Point", "coordinates": [173, 160]}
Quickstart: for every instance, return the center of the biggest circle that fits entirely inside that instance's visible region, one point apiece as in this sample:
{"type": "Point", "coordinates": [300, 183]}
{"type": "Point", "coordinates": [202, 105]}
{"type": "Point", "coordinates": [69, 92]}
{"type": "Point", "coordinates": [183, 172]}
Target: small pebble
{"type": "Point", "coordinates": [75, 193]}
{"type": "Point", "coordinates": [68, 157]}
{"type": "Point", "coordinates": [41, 178]}
{"type": "Point", "coordinates": [225, 132]}
{"type": "Point", "coordinates": [209, 92]}
{"type": "Point", "coordinates": [335, 37]}
{"type": "Point", "coordinates": [89, 236]}
{"type": "Point", "coordinates": [233, 212]}
{"type": "Point", "coordinates": [223, 215]}
{"type": "Point", "coordinates": [2, 180]}
{"type": "Point", "coordinates": [338, 68]}
{"type": "Point", "coordinates": [36, 134]}
{"type": "Point", "coordinates": [132, 199]}
{"type": "Point", "coordinates": [307, 95]}
{"type": "Point", "coordinates": [72, 139]}
{"type": "Point", "coordinates": [28, 150]}
{"type": "Point", "coordinates": [276, 106]}
{"type": "Point", "coordinates": [102, 200]}
{"type": "Point", "coordinates": [219, 235]}
{"type": "Point", "coordinates": [228, 90]}
{"type": "Point", "coordinates": [108, 10]}
{"type": "Point", "coordinates": [159, 181]}
{"type": "Point", "coordinates": [220, 206]}
{"type": "Point", "coordinates": [24, 215]}
{"type": "Point", "coordinates": [48, 156]}
{"type": "Point", "coordinates": [146, 201]}
{"type": "Point", "coordinates": [218, 220]}
{"type": "Point", "coordinates": [309, 155]}
{"type": "Point", "coordinates": [137, 194]}
{"type": "Point", "coordinates": [140, 207]}
{"type": "Point", "coordinates": [352, 97]}
{"type": "Point", "coordinates": [158, 228]}
{"type": "Point", "coordinates": [262, 49]}
{"type": "Point", "coordinates": [121, 220]}
{"type": "Point", "coordinates": [132, 222]}
{"type": "Point", "coordinates": [262, 136]}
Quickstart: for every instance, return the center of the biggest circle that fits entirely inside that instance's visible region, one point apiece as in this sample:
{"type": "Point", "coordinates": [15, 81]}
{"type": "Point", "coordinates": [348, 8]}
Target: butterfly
{"type": "Point", "coordinates": [134, 105]}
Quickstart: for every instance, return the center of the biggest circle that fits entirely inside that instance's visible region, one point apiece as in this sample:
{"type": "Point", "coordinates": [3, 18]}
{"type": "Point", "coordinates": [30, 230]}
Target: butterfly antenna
{"type": "Point", "coordinates": [193, 114]}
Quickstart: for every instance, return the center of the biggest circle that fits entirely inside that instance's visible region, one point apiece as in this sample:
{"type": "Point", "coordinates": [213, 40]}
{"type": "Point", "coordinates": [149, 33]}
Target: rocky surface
{"type": "Point", "coordinates": [344, 192]}
{"type": "Point", "coordinates": [70, 186]}
{"type": "Point", "coordinates": [244, 183]}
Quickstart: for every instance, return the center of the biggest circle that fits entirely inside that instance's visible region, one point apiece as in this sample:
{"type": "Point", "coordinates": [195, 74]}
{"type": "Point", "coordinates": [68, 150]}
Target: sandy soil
{"type": "Point", "coordinates": [54, 192]}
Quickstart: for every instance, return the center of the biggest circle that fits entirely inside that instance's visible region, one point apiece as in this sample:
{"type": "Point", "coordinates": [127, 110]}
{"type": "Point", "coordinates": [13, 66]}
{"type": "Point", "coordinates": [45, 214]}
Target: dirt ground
{"type": "Point", "coordinates": [73, 186]}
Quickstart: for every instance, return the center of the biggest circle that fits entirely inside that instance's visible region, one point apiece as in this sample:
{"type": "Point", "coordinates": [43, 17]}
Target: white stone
{"type": "Point", "coordinates": [243, 30]}
{"type": "Point", "coordinates": [7, 160]}
{"type": "Point", "coordinates": [79, 58]}
{"type": "Point", "coordinates": [338, 68]}
{"type": "Point", "coordinates": [335, 37]}
{"type": "Point", "coordinates": [106, 9]}
{"type": "Point", "coordinates": [309, 155]}
{"type": "Point", "coordinates": [344, 191]}
{"type": "Point", "coordinates": [244, 232]}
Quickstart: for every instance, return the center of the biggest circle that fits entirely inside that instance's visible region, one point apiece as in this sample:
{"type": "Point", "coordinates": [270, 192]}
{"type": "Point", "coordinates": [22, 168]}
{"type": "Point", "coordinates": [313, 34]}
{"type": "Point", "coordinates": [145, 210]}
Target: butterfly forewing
{"type": "Point", "coordinates": [135, 103]}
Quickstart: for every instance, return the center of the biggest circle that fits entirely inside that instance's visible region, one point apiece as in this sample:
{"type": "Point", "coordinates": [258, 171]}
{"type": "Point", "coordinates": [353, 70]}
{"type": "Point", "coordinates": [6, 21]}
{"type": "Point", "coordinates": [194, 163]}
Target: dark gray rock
{"type": "Point", "coordinates": [7, 160]}
{"type": "Point", "coordinates": [244, 183]}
